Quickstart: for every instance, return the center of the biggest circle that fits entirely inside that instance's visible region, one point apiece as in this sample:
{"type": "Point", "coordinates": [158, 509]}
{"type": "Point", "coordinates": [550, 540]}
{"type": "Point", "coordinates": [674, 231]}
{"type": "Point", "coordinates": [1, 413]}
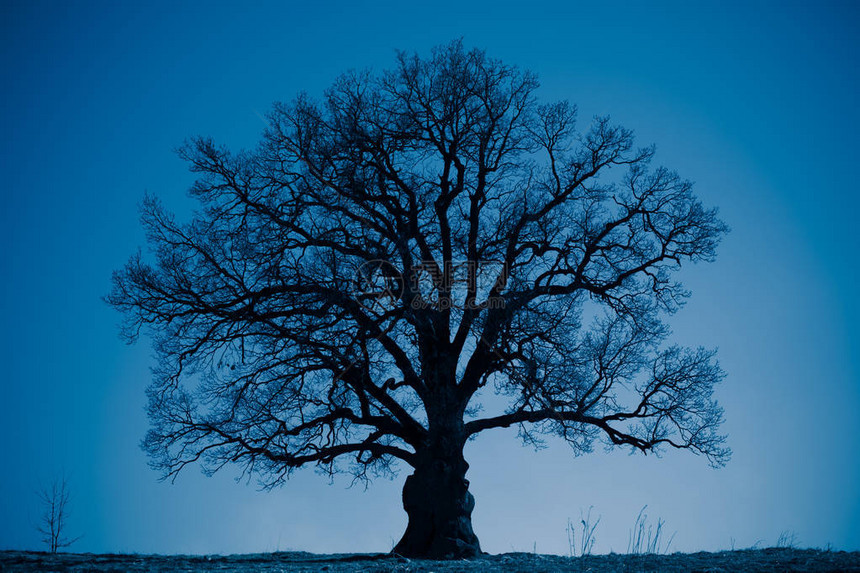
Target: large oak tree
{"type": "Point", "coordinates": [348, 289]}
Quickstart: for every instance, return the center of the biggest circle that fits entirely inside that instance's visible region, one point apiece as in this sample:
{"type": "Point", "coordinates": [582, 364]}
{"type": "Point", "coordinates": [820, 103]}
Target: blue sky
{"type": "Point", "coordinates": [755, 103]}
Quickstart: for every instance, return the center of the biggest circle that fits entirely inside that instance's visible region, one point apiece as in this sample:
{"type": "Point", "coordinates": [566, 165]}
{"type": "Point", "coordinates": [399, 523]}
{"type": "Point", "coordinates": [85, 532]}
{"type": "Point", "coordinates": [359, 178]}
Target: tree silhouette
{"type": "Point", "coordinates": [347, 289]}
{"type": "Point", "coordinates": [55, 515]}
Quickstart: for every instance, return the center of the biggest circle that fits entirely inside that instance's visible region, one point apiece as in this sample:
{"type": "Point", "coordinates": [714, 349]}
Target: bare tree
{"type": "Point", "coordinates": [348, 289]}
{"type": "Point", "coordinates": [55, 501]}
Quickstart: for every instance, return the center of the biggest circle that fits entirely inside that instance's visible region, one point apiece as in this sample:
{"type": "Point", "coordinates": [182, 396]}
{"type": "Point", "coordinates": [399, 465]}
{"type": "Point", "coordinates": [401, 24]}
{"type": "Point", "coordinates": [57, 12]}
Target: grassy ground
{"type": "Point", "coordinates": [770, 560]}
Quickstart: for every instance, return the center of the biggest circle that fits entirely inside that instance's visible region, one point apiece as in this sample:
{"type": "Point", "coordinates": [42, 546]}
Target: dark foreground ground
{"type": "Point", "coordinates": [771, 560]}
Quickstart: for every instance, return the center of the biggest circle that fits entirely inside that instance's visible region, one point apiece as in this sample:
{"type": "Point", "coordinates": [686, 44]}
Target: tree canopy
{"type": "Point", "coordinates": [348, 288]}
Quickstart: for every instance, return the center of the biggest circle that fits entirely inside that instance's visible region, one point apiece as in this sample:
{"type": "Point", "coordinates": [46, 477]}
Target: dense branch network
{"type": "Point", "coordinates": [389, 251]}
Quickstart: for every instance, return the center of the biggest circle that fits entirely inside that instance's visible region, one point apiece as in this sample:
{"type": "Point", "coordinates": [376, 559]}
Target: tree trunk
{"type": "Point", "coordinates": [437, 500]}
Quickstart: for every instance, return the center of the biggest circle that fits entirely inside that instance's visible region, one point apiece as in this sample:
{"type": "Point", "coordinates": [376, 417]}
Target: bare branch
{"type": "Point", "coordinates": [348, 286]}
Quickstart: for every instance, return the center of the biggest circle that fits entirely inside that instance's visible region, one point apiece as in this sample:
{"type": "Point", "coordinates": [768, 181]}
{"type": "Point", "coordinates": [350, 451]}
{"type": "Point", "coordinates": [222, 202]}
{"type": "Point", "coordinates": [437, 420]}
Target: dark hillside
{"type": "Point", "coordinates": [760, 560]}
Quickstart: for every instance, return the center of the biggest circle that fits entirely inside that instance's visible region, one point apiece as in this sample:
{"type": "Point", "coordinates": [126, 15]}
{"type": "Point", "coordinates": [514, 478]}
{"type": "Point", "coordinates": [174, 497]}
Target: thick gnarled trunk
{"type": "Point", "coordinates": [437, 500]}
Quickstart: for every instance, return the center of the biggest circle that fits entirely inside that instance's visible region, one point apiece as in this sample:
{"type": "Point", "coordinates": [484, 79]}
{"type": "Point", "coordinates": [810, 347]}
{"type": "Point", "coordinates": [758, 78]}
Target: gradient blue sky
{"type": "Point", "coordinates": [757, 104]}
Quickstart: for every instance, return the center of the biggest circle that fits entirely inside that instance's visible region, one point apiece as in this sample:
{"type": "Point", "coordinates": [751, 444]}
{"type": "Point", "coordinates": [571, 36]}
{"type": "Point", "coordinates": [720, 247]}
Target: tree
{"type": "Point", "coordinates": [348, 289]}
{"type": "Point", "coordinates": [55, 500]}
